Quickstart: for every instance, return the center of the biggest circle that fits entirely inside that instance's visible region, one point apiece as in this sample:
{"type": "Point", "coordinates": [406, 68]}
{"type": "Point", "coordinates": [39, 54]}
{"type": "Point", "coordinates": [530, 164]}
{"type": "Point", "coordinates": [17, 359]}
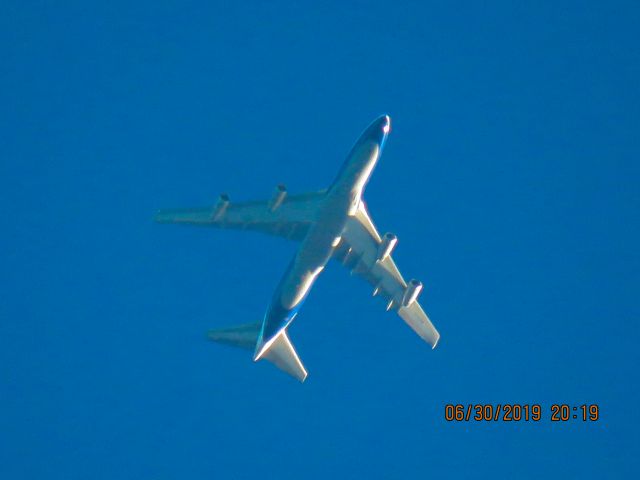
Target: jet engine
{"type": "Point", "coordinates": [278, 197]}
{"type": "Point", "coordinates": [221, 206]}
{"type": "Point", "coordinates": [387, 245]}
{"type": "Point", "coordinates": [411, 293]}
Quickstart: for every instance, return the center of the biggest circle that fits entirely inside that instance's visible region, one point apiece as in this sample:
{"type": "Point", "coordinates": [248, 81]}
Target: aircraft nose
{"type": "Point", "coordinates": [378, 130]}
{"type": "Point", "coordinates": [386, 123]}
{"type": "Point", "coordinates": [382, 123]}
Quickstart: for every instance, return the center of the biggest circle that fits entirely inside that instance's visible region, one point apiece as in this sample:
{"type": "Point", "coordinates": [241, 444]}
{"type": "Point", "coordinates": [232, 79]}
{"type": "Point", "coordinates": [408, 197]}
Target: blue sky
{"type": "Point", "coordinates": [510, 177]}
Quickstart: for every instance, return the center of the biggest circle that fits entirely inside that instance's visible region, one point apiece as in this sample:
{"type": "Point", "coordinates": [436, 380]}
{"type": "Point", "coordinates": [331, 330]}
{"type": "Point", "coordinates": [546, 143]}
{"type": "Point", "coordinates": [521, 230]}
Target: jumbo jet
{"type": "Point", "coordinates": [332, 223]}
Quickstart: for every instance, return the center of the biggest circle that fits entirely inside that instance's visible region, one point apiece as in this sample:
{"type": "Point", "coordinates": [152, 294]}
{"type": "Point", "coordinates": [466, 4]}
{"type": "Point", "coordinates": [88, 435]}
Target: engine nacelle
{"type": "Point", "coordinates": [278, 197]}
{"type": "Point", "coordinates": [411, 293]}
{"type": "Point", "coordinates": [389, 242]}
{"type": "Point", "coordinates": [221, 206]}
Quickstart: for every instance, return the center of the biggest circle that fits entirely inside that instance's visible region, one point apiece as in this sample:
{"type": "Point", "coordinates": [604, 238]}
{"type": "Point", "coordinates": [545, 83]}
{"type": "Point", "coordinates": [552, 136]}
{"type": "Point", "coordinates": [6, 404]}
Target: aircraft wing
{"type": "Point", "coordinates": [287, 216]}
{"type": "Point", "coordinates": [358, 251]}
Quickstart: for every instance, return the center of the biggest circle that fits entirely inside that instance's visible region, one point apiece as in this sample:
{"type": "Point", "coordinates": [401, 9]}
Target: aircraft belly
{"type": "Point", "coordinates": [317, 247]}
{"type": "Point", "coordinates": [313, 254]}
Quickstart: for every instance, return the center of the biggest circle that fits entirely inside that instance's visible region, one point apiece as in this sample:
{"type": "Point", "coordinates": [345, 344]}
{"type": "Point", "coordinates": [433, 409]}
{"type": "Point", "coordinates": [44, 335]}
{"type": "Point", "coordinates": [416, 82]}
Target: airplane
{"type": "Point", "coordinates": [331, 223]}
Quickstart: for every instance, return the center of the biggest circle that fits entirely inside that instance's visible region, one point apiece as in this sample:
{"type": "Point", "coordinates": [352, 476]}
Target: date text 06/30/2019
{"type": "Point", "coordinates": [521, 412]}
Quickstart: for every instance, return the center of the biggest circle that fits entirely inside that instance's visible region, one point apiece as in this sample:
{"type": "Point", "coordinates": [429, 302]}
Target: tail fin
{"type": "Point", "coordinates": [278, 350]}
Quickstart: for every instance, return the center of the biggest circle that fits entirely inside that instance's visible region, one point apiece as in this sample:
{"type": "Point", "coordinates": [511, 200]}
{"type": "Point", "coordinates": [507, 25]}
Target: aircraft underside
{"type": "Point", "coordinates": [332, 223]}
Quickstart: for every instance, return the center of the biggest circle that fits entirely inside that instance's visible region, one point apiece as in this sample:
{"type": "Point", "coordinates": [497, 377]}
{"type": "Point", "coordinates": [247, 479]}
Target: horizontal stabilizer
{"type": "Point", "coordinates": [243, 336]}
{"type": "Point", "coordinates": [278, 351]}
{"type": "Point", "coordinates": [281, 353]}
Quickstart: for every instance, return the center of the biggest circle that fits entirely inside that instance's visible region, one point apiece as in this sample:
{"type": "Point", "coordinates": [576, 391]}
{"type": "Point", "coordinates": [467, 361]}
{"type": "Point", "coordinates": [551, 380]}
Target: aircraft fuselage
{"type": "Point", "coordinates": [340, 202]}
